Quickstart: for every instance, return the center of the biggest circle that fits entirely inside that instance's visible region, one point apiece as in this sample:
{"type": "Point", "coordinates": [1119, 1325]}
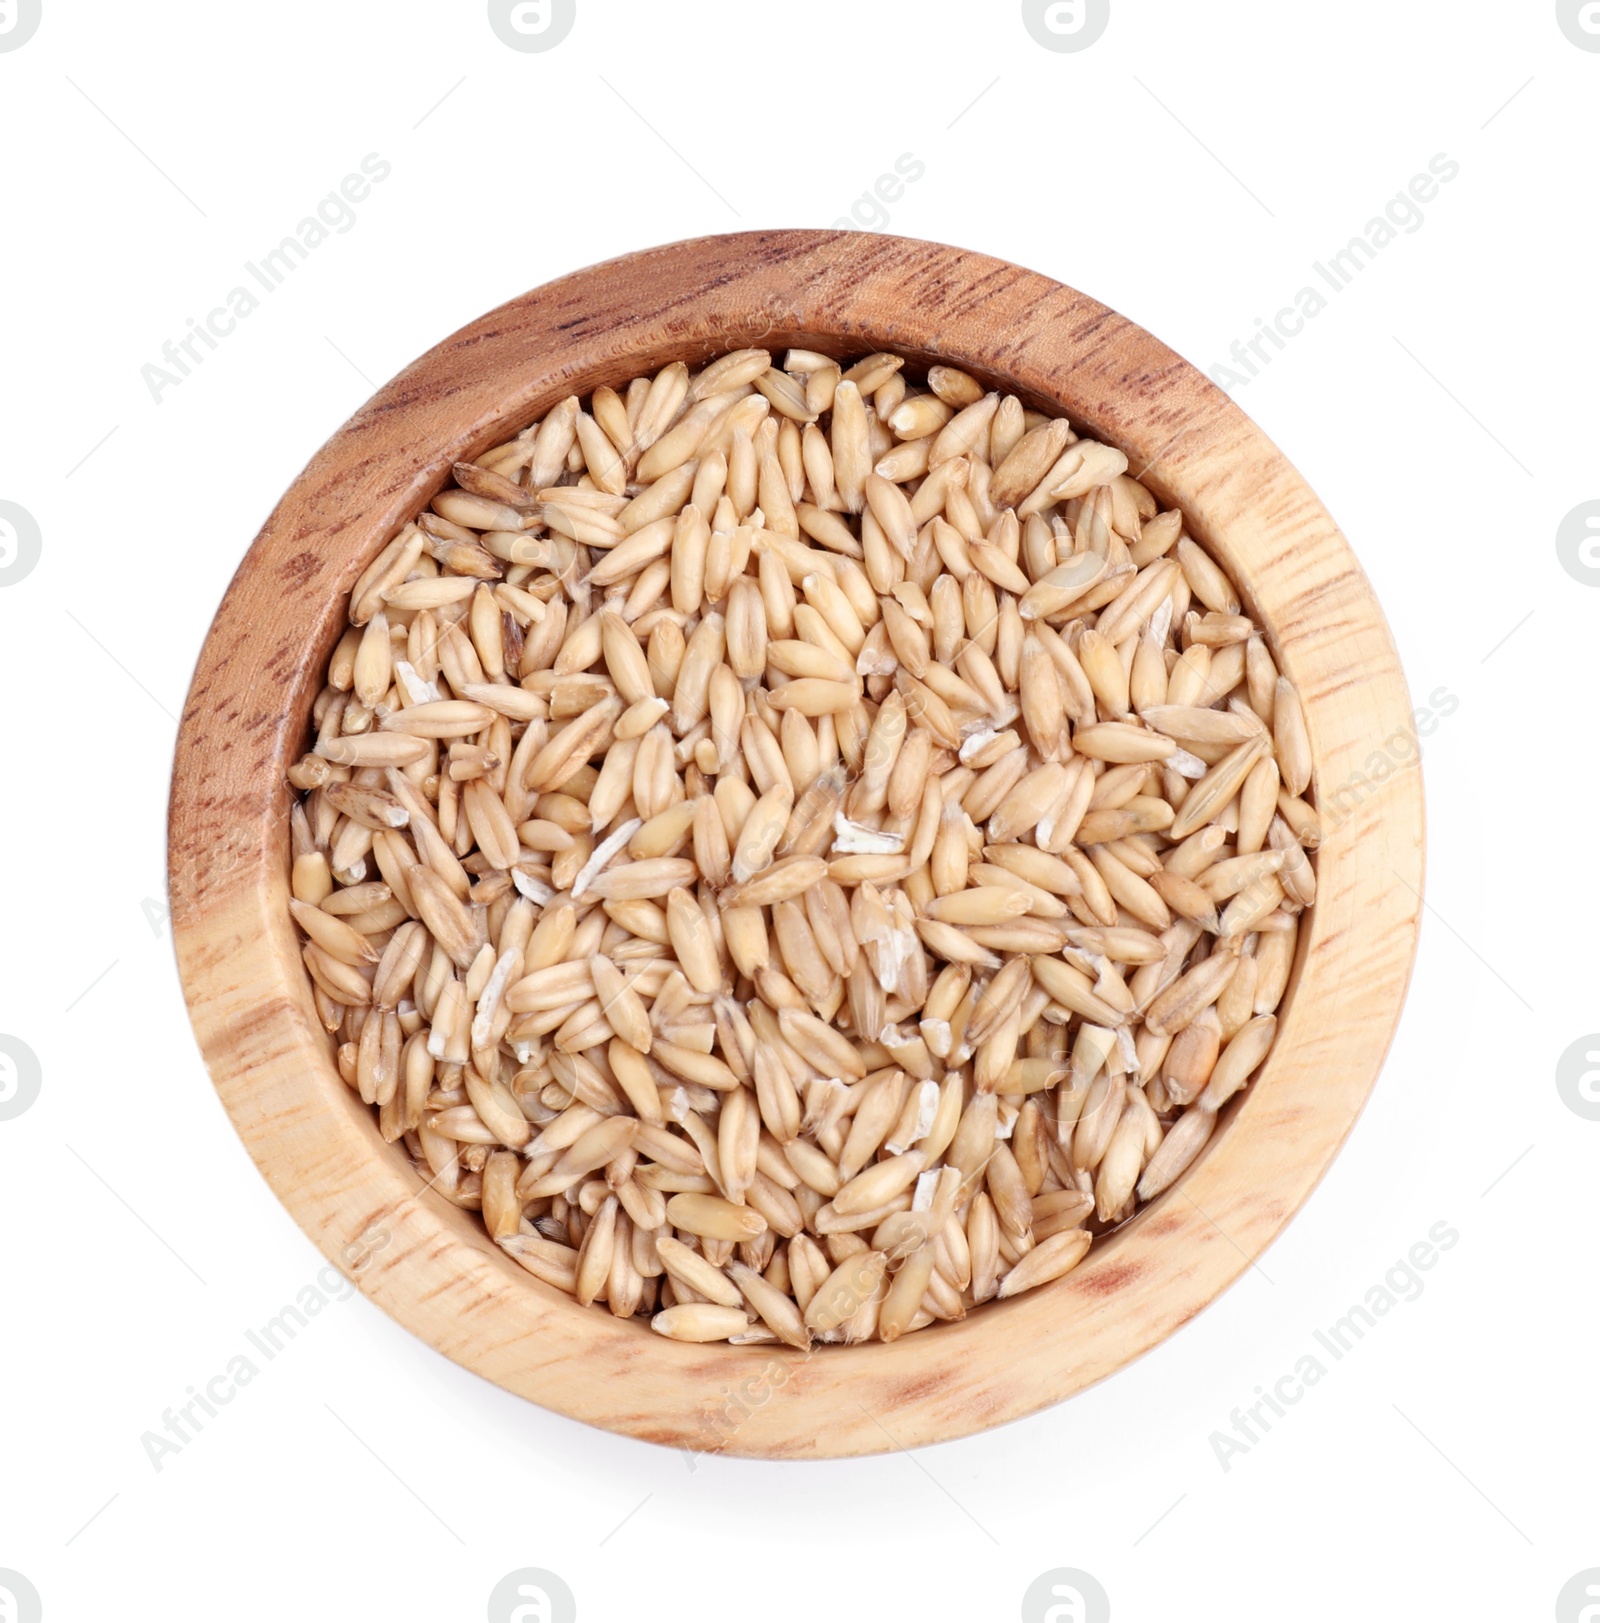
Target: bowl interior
{"type": "Point", "coordinates": [616, 372]}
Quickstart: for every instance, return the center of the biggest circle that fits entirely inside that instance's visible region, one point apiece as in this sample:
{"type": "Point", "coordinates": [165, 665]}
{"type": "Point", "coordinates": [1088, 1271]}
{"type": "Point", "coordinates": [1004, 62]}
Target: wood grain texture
{"type": "Point", "coordinates": [246, 721]}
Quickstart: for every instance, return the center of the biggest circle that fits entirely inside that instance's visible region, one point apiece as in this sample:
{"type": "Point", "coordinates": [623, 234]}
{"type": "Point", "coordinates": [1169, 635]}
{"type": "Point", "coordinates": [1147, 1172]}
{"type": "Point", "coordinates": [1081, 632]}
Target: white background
{"type": "Point", "coordinates": [1186, 169]}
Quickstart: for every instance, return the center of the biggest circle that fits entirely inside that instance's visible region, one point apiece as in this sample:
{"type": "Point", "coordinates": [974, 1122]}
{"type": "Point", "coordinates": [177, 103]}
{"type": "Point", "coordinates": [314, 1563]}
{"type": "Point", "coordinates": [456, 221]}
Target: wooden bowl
{"type": "Point", "coordinates": [430, 1264]}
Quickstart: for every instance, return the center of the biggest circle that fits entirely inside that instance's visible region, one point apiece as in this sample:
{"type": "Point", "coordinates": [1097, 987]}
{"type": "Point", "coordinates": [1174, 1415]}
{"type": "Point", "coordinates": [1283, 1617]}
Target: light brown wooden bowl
{"type": "Point", "coordinates": [263, 662]}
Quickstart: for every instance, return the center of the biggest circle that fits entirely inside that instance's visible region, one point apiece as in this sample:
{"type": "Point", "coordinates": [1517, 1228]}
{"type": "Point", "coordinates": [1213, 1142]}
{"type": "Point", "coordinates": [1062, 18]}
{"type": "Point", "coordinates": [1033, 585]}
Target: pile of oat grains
{"type": "Point", "coordinates": [800, 848]}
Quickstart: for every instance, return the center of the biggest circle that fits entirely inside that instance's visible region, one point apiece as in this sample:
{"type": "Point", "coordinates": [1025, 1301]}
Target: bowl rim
{"type": "Point", "coordinates": [428, 1263]}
